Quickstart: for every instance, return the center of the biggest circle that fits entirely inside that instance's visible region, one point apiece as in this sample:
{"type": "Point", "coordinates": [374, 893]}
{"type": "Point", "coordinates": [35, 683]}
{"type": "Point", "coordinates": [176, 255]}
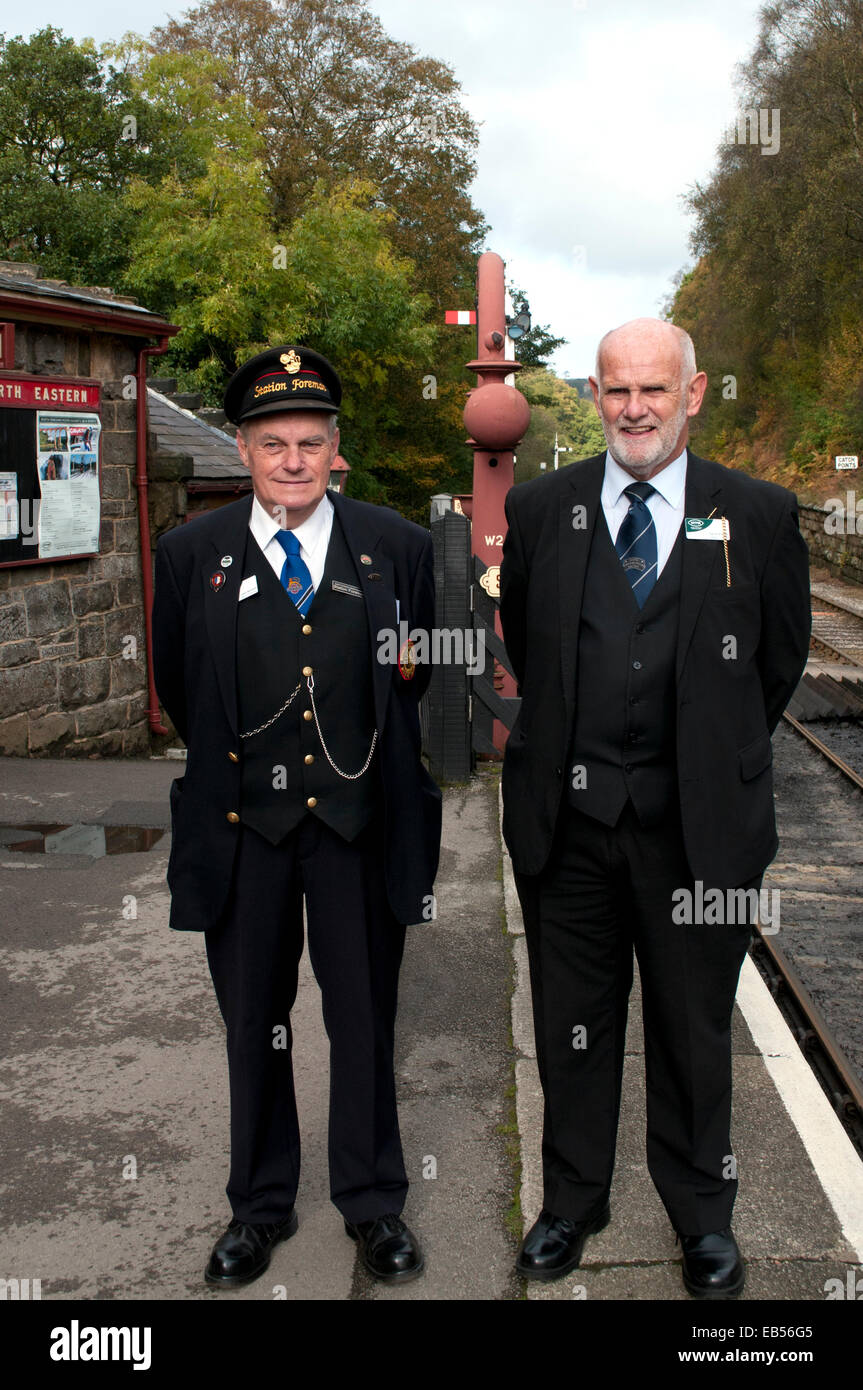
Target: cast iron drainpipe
{"type": "Point", "coordinates": [142, 483]}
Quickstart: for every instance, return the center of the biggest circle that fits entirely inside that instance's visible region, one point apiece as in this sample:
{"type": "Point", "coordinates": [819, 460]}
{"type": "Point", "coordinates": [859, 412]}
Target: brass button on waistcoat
{"type": "Point", "coordinates": [307, 627]}
{"type": "Point", "coordinates": [312, 801]}
{"type": "Point", "coordinates": [233, 757]}
{"type": "Point", "coordinates": [307, 714]}
{"type": "Point", "coordinates": [307, 670]}
{"type": "Point", "coordinates": [233, 817]}
{"type": "Point", "coordinates": [309, 759]}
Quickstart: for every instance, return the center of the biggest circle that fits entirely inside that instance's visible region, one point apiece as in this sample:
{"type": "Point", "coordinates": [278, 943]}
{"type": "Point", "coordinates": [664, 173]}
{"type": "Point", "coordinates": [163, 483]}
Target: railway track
{"type": "Point", "coordinates": [816, 976]}
{"type": "Point", "coordinates": [837, 628]}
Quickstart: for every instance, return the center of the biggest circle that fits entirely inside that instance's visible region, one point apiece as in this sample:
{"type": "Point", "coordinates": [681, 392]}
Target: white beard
{"type": "Point", "coordinates": [664, 441]}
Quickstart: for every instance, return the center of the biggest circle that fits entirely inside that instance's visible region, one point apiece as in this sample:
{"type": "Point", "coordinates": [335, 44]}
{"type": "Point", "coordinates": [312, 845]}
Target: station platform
{"type": "Point", "coordinates": [114, 1084]}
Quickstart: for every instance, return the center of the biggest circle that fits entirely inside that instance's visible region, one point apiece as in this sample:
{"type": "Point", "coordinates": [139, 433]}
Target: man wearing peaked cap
{"type": "Point", "coordinates": [303, 784]}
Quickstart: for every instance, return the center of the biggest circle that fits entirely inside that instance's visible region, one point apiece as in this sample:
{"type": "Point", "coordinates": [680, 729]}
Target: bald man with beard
{"type": "Point", "coordinates": [655, 607]}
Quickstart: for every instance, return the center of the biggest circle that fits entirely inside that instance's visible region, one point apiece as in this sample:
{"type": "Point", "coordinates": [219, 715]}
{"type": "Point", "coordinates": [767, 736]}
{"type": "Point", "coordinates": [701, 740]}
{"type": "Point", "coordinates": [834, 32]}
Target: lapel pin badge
{"type": "Point", "coordinates": [226, 560]}
{"type": "Point", "coordinates": [373, 576]}
{"type": "Point", "coordinates": [217, 580]}
{"type": "Point", "coordinates": [365, 559]}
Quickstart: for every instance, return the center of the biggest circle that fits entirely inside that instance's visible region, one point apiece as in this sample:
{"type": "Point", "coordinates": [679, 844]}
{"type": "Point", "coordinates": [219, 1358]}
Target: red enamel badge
{"type": "Point", "coordinates": [407, 665]}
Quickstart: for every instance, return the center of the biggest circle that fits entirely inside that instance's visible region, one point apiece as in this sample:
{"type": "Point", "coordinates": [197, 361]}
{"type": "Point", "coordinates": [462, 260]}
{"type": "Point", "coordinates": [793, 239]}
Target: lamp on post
{"type": "Point", "coordinates": [517, 327]}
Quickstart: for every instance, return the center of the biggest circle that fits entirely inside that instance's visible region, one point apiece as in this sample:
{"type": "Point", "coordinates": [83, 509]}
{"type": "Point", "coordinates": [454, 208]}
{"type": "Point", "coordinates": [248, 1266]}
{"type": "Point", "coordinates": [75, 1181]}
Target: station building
{"type": "Point", "coordinates": [93, 466]}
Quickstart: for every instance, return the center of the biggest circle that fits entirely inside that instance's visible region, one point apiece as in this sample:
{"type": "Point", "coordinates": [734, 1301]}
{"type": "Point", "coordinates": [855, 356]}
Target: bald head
{"type": "Point", "coordinates": [646, 337]}
{"type": "Point", "coordinates": [646, 389]}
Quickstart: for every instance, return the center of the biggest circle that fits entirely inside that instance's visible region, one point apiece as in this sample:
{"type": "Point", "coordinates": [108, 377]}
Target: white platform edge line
{"type": "Point", "coordinates": [511, 904]}
{"type": "Point", "coordinates": [528, 1113]}
{"type": "Point", "coordinates": [837, 1165]}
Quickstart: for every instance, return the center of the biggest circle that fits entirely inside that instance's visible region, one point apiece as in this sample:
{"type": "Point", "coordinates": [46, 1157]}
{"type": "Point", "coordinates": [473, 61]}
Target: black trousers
{"type": "Point", "coordinates": [603, 892]}
{"type": "Point", "coordinates": [355, 947]}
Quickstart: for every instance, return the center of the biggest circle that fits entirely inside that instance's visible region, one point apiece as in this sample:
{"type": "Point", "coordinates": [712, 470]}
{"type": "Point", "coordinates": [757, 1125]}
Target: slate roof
{"type": "Point", "coordinates": [19, 277]}
{"type": "Point", "coordinates": [179, 431]}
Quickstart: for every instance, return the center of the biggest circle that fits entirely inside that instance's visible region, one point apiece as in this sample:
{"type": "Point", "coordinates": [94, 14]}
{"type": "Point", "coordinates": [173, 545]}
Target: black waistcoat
{"type": "Point", "coordinates": [284, 767]}
{"type": "Point", "coordinates": [625, 726]}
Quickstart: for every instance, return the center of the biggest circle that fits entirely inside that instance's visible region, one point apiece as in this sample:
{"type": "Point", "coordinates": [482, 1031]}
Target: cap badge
{"type": "Point", "coordinates": [290, 361]}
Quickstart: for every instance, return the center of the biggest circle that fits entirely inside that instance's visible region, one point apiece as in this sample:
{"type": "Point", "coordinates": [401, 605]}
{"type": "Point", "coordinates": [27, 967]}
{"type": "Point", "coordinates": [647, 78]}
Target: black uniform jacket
{"type": "Point", "coordinates": [195, 652]}
{"type": "Point", "coordinates": [741, 649]}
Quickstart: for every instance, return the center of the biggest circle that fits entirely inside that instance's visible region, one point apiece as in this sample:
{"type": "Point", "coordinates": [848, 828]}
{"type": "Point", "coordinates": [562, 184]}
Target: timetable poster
{"type": "Point", "coordinates": [8, 506]}
{"type": "Point", "coordinates": [67, 460]}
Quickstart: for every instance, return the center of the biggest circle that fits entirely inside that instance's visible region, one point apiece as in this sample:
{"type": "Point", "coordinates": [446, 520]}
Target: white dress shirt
{"type": "Point", "coordinates": [313, 535]}
{"type": "Point", "coordinates": [666, 506]}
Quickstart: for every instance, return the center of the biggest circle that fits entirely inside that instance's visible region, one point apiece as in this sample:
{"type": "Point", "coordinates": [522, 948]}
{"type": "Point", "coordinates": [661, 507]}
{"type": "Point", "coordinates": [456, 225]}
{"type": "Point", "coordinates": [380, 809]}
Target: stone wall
{"type": "Point", "coordinates": [837, 551]}
{"type": "Point", "coordinates": [72, 632]}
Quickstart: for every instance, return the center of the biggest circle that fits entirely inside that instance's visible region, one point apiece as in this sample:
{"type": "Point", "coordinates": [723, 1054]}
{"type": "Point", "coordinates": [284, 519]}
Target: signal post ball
{"type": "Point", "coordinates": [496, 415]}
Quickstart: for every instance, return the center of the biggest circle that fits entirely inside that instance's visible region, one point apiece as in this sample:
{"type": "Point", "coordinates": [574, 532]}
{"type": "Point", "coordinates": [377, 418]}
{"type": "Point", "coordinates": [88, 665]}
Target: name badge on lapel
{"type": "Point", "coordinates": [700, 528]}
{"type": "Point", "coordinates": [249, 586]}
{"type": "Point", "coordinates": [711, 528]}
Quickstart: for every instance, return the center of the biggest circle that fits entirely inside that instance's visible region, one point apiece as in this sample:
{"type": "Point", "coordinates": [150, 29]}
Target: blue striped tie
{"type": "Point", "coordinates": [295, 576]}
{"type": "Point", "coordinates": [636, 542]}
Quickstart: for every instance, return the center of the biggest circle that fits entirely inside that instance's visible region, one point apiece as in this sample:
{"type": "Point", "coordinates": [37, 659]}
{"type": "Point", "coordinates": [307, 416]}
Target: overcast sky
{"type": "Point", "coordinates": [596, 116]}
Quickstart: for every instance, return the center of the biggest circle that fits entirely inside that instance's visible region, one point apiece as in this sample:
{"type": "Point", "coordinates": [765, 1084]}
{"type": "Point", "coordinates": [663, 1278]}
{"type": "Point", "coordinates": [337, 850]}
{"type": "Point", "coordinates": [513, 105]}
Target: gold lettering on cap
{"type": "Point", "coordinates": [302, 384]}
{"type": "Point", "coordinates": [271, 386]}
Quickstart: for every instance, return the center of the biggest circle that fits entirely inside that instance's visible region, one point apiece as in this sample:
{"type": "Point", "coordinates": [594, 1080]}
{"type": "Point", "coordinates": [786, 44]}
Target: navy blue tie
{"type": "Point", "coordinates": [295, 576]}
{"type": "Point", "coordinates": [636, 542]}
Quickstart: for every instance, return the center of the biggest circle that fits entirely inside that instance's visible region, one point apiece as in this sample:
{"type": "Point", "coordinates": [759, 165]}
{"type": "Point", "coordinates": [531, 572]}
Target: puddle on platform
{"type": "Point", "coordinates": [92, 840]}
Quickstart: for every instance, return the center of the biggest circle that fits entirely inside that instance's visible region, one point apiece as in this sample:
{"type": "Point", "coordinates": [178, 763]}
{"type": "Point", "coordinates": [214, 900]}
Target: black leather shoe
{"type": "Point", "coordinates": [712, 1265]}
{"type": "Point", "coordinates": [553, 1245]}
{"type": "Point", "coordinates": [387, 1249]}
{"type": "Point", "coordinates": [244, 1251]}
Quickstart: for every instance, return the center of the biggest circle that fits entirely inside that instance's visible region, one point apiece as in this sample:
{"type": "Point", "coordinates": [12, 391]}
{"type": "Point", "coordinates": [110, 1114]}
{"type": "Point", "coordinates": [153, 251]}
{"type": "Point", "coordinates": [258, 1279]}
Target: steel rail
{"type": "Point", "coordinates": [828, 753]}
{"type": "Point", "coordinates": [814, 1036]}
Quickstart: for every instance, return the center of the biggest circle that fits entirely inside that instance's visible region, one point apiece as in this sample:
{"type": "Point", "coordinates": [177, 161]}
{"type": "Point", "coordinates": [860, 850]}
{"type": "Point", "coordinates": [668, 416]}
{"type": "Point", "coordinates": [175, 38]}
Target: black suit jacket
{"type": "Point", "coordinates": [727, 705]}
{"type": "Point", "coordinates": [195, 656]}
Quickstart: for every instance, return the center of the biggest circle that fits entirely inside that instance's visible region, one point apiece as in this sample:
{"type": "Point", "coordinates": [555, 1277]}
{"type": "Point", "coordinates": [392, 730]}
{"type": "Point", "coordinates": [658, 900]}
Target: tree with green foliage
{"type": "Point", "coordinates": [73, 133]}
{"type": "Point", "coordinates": [337, 97]}
{"type": "Point", "coordinates": [773, 303]}
{"type": "Point", "coordinates": [555, 408]}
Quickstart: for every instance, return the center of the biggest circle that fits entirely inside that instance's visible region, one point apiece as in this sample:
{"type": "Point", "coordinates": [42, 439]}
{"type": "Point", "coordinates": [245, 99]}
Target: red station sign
{"type": "Point", "coordinates": [43, 392]}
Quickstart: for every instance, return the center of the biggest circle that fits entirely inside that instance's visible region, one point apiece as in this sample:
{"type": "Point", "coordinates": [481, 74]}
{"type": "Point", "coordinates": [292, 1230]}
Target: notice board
{"type": "Point", "coordinates": [50, 468]}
